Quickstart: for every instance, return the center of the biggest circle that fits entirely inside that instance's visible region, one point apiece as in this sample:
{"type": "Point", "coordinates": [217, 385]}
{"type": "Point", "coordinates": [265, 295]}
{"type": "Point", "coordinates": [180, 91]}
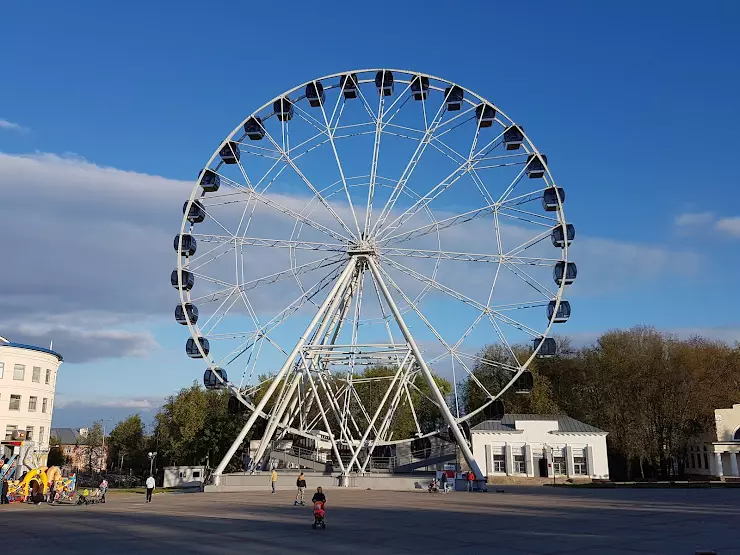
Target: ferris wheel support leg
{"type": "Point", "coordinates": [275, 418]}
{"type": "Point", "coordinates": [330, 316]}
{"type": "Point", "coordinates": [284, 370]}
{"type": "Point", "coordinates": [449, 418]}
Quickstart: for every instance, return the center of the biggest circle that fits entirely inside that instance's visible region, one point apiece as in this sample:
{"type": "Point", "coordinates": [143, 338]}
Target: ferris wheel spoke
{"type": "Point", "coordinates": [374, 162]}
{"type": "Point", "coordinates": [433, 193]}
{"type": "Point", "coordinates": [529, 217]}
{"type": "Point", "coordinates": [410, 167]}
{"type": "Point", "coordinates": [438, 286]}
{"type": "Point", "coordinates": [288, 311]}
{"type": "Point", "coordinates": [468, 256]}
{"type": "Point", "coordinates": [308, 183]}
{"type": "Point", "coordinates": [218, 314]}
{"type": "Point", "coordinates": [529, 280]}
{"type": "Point", "coordinates": [271, 243]}
{"type": "Point", "coordinates": [417, 311]}
{"type": "Point", "coordinates": [269, 279]}
{"type": "Point", "coordinates": [514, 323]}
{"type": "Point", "coordinates": [512, 185]}
{"type": "Point", "coordinates": [531, 242]}
{"type": "Point", "coordinates": [267, 201]}
{"type": "Point", "coordinates": [439, 225]}
{"type": "Point", "coordinates": [329, 132]}
{"type": "Point", "coordinates": [260, 152]}
{"type": "Point", "coordinates": [504, 341]}
{"type": "Point", "coordinates": [208, 256]}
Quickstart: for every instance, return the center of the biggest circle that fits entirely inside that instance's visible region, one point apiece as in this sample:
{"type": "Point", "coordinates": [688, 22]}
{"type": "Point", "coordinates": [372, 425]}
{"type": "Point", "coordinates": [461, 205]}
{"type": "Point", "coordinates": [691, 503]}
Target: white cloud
{"type": "Point", "coordinates": [139, 403]}
{"type": "Point", "coordinates": [694, 219]}
{"type": "Point", "coordinates": [89, 252]}
{"type": "Point", "coordinates": [730, 226]}
{"type": "Point", "coordinates": [10, 126]}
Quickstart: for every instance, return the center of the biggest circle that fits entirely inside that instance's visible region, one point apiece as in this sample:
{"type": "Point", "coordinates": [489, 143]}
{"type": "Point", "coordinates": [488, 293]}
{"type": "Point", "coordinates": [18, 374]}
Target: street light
{"type": "Point", "coordinates": [104, 420]}
{"type": "Point", "coordinates": [152, 456]}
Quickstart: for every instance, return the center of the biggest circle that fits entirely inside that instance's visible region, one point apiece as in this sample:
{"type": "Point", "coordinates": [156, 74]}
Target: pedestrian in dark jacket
{"type": "Point", "coordinates": [301, 485]}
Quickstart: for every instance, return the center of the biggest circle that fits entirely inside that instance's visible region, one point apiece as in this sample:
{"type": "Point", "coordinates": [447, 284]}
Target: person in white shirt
{"type": "Point", "coordinates": [149, 488]}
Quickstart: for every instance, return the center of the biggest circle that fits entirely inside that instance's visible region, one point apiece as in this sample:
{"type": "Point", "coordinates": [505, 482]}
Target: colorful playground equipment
{"type": "Point", "coordinates": [35, 486]}
{"type": "Point", "coordinates": [28, 479]}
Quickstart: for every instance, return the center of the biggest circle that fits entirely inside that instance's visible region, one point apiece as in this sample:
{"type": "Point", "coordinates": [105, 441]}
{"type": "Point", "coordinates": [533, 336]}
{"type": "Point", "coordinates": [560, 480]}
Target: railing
{"type": "Point", "coordinates": [317, 460]}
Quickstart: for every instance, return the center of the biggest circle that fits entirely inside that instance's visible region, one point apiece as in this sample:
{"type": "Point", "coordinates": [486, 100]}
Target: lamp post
{"type": "Point", "coordinates": [152, 456]}
{"type": "Point", "coordinates": [105, 456]}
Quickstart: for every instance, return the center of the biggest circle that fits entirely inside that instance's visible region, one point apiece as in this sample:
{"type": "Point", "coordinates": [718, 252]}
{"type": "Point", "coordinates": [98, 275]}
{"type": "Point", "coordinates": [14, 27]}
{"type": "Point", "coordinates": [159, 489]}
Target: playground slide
{"type": "Point", "coordinates": [8, 468]}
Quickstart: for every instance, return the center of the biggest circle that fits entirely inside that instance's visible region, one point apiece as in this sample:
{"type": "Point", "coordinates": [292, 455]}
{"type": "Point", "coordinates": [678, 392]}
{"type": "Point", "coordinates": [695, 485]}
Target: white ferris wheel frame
{"type": "Point", "coordinates": [352, 244]}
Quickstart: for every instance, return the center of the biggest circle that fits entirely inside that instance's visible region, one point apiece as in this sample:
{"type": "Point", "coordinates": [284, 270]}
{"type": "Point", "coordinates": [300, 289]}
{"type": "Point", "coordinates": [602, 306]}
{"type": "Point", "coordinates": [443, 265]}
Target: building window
{"type": "Point", "coordinates": [43, 404]}
{"type": "Point", "coordinates": [579, 466]}
{"type": "Point", "coordinates": [706, 461]}
{"type": "Point", "coordinates": [48, 376]}
{"type": "Point", "coordinates": [9, 429]}
{"type": "Point", "coordinates": [693, 460]}
{"type": "Point", "coordinates": [36, 377]}
{"type": "Point", "coordinates": [32, 403]}
{"type": "Point", "coordinates": [520, 466]}
{"type": "Point", "coordinates": [558, 465]}
{"type": "Point", "coordinates": [499, 463]}
{"type": "Point", "coordinates": [196, 474]}
{"type": "Point", "coordinates": [29, 432]}
{"type": "Point", "coordinates": [2, 369]}
{"type": "Point", "coordinates": [19, 372]}
{"type": "Point", "coordinates": [41, 434]}
{"type": "Point", "coordinates": [15, 402]}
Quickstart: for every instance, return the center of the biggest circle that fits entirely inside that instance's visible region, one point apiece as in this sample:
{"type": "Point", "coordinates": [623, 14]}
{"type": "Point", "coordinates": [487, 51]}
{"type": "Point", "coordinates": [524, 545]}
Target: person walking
{"type": "Point", "coordinates": [443, 481]}
{"type": "Point", "coordinates": [4, 497]}
{"type": "Point", "coordinates": [471, 477]}
{"type": "Point", "coordinates": [103, 488]}
{"type": "Point", "coordinates": [149, 488]}
{"type": "Point", "coordinates": [273, 479]}
{"type": "Point", "coordinates": [301, 484]}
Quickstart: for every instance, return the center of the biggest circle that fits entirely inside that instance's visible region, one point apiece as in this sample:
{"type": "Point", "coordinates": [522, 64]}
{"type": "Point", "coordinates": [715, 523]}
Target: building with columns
{"type": "Point", "coordinates": [540, 446]}
{"type": "Point", "coordinates": [718, 453]}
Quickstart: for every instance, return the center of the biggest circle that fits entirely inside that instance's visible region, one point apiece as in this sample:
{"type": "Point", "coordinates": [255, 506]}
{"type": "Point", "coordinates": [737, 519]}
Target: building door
{"type": "Point", "coordinates": [543, 467]}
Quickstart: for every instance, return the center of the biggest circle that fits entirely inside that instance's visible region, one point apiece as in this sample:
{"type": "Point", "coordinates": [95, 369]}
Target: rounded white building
{"type": "Point", "coordinates": [28, 376]}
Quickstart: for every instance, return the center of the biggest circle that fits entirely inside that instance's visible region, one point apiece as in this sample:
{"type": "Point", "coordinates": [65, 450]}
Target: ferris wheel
{"type": "Point", "coordinates": [374, 218]}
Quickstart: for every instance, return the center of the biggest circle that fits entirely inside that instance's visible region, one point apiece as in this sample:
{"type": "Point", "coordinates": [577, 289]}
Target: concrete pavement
{"type": "Point", "coordinates": [521, 520]}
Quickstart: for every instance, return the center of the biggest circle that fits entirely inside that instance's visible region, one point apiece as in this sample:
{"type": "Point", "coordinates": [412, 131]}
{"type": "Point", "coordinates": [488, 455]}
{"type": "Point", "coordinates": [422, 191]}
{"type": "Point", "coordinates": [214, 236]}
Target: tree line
{"type": "Point", "coordinates": [652, 392]}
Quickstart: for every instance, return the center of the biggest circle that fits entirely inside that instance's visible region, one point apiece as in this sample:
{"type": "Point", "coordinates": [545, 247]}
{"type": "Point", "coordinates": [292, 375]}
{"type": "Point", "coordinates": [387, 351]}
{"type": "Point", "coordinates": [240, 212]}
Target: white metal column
{"type": "Point", "coordinates": [284, 370]}
{"type": "Point", "coordinates": [459, 437]}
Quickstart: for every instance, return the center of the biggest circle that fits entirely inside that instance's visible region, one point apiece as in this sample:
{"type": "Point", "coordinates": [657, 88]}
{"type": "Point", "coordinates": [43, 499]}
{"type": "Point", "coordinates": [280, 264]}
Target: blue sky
{"type": "Point", "coordinates": [634, 104]}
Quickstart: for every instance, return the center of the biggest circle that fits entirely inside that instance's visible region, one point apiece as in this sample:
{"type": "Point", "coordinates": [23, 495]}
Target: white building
{"type": "Point", "coordinates": [28, 376]}
{"type": "Point", "coordinates": [538, 446]}
{"type": "Point", "coordinates": [719, 452]}
{"type": "Point", "coordinates": [183, 476]}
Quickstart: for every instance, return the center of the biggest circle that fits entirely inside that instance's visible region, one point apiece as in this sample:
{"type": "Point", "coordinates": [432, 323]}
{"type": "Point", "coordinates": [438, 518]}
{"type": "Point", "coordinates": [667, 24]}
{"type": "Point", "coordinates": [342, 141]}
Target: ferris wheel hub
{"type": "Point", "coordinates": [363, 248]}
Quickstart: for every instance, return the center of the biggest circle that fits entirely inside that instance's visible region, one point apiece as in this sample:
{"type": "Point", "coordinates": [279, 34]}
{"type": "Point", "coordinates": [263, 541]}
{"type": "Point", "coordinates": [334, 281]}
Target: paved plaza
{"type": "Point", "coordinates": [520, 520]}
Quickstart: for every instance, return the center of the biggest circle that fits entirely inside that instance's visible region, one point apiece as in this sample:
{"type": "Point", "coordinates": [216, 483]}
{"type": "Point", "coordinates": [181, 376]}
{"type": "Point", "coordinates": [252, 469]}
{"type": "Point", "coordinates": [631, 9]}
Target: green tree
{"type": "Point", "coordinates": [493, 370]}
{"type": "Point", "coordinates": [56, 455]}
{"type": "Point", "coordinates": [127, 446]}
{"type": "Point", "coordinates": [195, 425]}
{"type": "Point", "coordinates": [92, 442]}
